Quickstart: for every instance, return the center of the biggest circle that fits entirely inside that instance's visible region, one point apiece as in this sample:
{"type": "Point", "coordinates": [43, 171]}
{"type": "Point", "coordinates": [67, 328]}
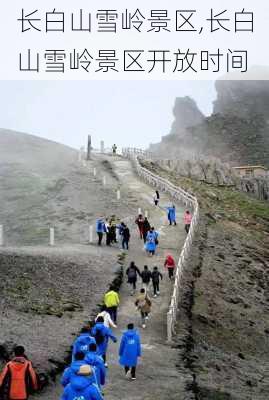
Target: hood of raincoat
{"type": "Point", "coordinates": [84, 339]}
{"type": "Point", "coordinates": [75, 366]}
{"type": "Point", "coordinates": [130, 333]}
{"type": "Point", "coordinates": [80, 383]}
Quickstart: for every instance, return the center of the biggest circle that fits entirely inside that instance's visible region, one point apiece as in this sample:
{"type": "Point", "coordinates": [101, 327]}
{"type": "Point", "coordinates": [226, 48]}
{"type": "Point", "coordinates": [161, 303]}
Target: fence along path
{"type": "Point", "coordinates": [189, 201]}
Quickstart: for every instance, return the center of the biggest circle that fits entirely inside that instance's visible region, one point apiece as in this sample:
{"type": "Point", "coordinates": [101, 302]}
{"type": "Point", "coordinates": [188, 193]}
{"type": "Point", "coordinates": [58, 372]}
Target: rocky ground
{"type": "Point", "coordinates": [46, 297]}
{"type": "Point", "coordinates": [223, 330]}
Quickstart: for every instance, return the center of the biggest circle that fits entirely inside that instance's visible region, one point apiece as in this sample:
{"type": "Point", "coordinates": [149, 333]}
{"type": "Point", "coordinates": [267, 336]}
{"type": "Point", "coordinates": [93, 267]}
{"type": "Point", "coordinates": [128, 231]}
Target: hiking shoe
{"type": "Point", "coordinates": [143, 326]}
{"type": "Point", "coordinates": [146, 317]}
{"type": "Point", "coordinates": [133, 378]}
{"type": "Point", "coordinates": [155, 295]}
{"type": "Point", "coordinates": [106, 365]}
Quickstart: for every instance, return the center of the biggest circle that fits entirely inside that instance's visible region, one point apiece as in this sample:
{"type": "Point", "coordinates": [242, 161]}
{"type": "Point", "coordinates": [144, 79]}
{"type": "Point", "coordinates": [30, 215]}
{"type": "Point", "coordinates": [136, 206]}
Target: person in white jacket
{"type": "Point", "coordinates": [107, 319]}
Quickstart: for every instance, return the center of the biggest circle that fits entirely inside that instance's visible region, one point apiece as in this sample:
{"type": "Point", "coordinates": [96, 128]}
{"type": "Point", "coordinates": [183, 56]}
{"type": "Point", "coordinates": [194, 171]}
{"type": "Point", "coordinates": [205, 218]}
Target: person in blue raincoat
{"type": "Point", "coordinates": [82, 342]}
{"type": "Point", "coordinates": [102, 334]}
{"type": "Point", "coordinates": [151, 241]}
{"type": "Point", "coordinates": [97, 363]}
{"type": "Point", "coordinates": [81, 386]}
{"type": "Point", "coordinates": [100, 230]}
{"type": "Point", "coordinates": [129, 351]}
{"type": "Point", "coordinates": [171, 215]}
{"type": "Point", "coordinates": [74, 369]}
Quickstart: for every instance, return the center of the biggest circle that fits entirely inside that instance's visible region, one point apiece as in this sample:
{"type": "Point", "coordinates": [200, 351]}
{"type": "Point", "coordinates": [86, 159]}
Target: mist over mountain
{"type": "Point", "coordinates": [237, 131]}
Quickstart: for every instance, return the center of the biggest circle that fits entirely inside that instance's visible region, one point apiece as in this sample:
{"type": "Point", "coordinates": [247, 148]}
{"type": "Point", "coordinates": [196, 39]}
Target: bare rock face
{"type": "Point", "coordinates": [237, 132]}
{"type": "Point", "coordinates": [242, 98]}
{"type": "Point", "coordinates": [187, 115]}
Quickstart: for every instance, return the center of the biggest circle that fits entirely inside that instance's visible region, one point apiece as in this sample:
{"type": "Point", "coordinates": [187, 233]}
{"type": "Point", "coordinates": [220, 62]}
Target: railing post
{"type": "Point", "coordinates": [169, 326]}
{"type": "Point", "coordinates": [1, 235]}
{"type": "Point", "coordinates": [90, 234]}
{"type": "Point", "coordinates": [51, 236]}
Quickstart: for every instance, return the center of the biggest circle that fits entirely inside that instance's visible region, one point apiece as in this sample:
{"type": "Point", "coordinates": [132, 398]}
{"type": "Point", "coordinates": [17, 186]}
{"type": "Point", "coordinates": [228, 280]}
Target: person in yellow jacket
{"type": "Point", "coordinates": [112, 302]}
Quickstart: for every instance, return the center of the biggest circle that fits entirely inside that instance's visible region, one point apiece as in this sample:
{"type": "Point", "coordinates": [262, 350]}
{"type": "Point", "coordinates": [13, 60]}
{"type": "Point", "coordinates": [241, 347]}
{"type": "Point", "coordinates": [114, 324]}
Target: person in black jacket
{"type": "Point", "coordinates": [125, 236]}
{"type": "Point", "coordinates": [132, 273]}
{"type": "Point", "coordinates": [155, 276]}
{"type": "Point", "coordinates": [146, 229]}
{"type": "Point", "coordinates": [146, 276]}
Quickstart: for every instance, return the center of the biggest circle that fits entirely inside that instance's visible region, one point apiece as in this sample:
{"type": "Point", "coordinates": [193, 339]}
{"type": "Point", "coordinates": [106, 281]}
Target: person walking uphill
{"type": "Point", "coordinates": [81, 386]}
{"type": "Point", "coordinates": [129, 351]}
{"type": "Point", "coordinates": [102, 334]}
{"type": "Point", "coordinates": [74, 368]}
{"type": "Point", "coordinates": [171, 215]}
{"type": "Point", "coordinates": [112, 301]}
{"type": "Point", "coordinates": [146, 229]}
{"type": "Point", "coordinates": [140, 223]}
{"type": "Point", "coordinates": [18, 378]}
{"type": "Point", "coordinates": [108, 322]}
{"type": "Point", "coordinates": [151, 241]}
{"type": "Point", "coordinates": [143, 304]}
{"type": "Point", "coordinates": [170, 264]}
{"type": "Point", "coordinates": [146, 276]}
{"type": "Point", "coordinates": [156, 197]}
{"type": "Point", "coordinates": [155, 276]}
{"type": "Point", "coordinates": [97, 362]}
{"type": "Point", "coordinates": [187, 221]}
{"type": "Point", "coordinates": [82, 342]}
{"type": "Point", "coordinates": [132, 273]}
{"type": "Point", "coordinates": [125, 237]}
{"type": "Point", "coordinates": [100, 229]}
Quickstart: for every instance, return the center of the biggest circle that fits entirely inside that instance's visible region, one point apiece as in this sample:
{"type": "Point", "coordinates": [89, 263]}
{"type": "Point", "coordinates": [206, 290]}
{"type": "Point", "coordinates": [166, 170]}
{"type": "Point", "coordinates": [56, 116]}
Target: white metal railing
{"type": "Point", "coordinates": [189, 201]}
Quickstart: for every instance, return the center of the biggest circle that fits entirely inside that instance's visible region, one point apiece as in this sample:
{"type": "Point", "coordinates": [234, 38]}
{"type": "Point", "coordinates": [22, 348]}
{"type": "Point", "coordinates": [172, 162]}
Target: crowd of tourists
{"type": "Point", "coordinates": [85, 377]}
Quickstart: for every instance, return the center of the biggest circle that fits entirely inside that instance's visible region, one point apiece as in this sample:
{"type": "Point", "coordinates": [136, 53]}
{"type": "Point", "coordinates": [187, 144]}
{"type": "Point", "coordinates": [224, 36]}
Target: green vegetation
{"type": "Point", "coordinates": [223, 201]}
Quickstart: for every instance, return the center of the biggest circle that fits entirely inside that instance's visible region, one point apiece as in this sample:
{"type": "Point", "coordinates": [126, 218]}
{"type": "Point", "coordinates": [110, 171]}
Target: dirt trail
{"type": "Point", "coordinates": [158, 374]}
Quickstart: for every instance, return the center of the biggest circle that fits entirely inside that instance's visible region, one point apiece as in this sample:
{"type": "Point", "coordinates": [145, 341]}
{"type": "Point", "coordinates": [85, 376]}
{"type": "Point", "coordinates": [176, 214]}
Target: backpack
{"type": "Point", "coordinates": [131, 273]}
{"type": "Point", "coordinates": [99, 337]}
{"type": "Point", "coordinates": [99, 226]}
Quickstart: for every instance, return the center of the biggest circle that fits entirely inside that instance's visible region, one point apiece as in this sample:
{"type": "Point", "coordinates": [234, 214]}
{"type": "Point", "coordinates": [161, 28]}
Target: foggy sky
{"type": "Point", "coordinates": [129, 113]}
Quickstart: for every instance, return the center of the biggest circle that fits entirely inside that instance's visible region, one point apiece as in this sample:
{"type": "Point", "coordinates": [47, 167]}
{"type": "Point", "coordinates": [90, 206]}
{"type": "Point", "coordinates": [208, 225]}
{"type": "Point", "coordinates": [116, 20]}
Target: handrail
{"type": "Point", "coordinates": [188, 200]}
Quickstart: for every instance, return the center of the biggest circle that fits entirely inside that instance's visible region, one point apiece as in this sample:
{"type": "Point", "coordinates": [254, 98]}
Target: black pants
{"type": "Point", "coordinates": [125, 244]}
{"type": "Point", "coordinates": [156, 287]}
{"type": "Point", "coordinates": [100, 237]}
{"type": "Point", "coordinates": [187, 228]}
{"type": "Point", "coordinates": [170, 272]}
{"type": "Point", "coordinates": [113, 313]}
{"type": "Point", "coordinates": [170, 222]}
{"type": "Point", "coordinates": [143, 315]}
{"type": "Point", "coordinates": [145, 236]}
{"type": "Point", "coordinates": [108, 239]}
{"type": "Point", "coordinates": [104, 357]}
{"type": "Point", "coordinates": [133, 283]}
{"type": "Point", "coordinates": [132, 371]}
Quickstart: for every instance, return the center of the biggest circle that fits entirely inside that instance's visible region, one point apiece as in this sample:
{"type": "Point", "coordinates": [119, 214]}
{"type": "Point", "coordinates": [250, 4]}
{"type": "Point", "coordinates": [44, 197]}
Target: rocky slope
{"type": "Point", "coordinates": [42, 184]}
{"type": "Point", "coordinates": [237, 131]}
{"type": "Point", "coordinates": [224, 325]}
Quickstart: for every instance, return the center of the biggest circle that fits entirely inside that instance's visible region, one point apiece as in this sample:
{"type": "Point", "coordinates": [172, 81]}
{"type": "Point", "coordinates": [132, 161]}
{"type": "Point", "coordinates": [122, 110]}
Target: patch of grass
{"type": "Point", "coordinates": [230, 203]}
